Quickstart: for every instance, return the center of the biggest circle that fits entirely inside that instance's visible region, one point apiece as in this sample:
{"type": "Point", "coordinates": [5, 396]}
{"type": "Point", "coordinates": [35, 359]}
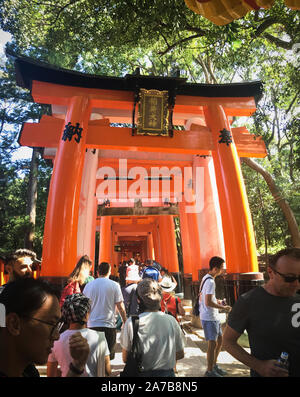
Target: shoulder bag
{"type": "Point", "coordinates": [133, 366]}
{"type": "Point", "coordinates": [196, 308]}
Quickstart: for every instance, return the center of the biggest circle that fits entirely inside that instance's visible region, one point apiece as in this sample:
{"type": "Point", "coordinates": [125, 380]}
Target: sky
{"type": "Point", "coordinates": [23, 152]}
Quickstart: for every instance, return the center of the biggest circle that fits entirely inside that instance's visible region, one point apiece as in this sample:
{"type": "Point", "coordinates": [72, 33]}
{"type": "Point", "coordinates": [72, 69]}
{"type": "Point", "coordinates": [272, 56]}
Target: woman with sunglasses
{"type": "Point", "coordinates": [32, 324]}
{"type": "Point", "coordinates": [271, 316]}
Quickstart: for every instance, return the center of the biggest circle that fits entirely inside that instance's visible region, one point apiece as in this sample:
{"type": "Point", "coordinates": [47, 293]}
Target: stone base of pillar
{"type": "Point", "coordinates": [178, 278]}
{"type": "Point", "coordinates": [187, 286]}
{"type": "Point", "coordinates": [195, 291]}
{"type": "Point", "coordinates": [236, 284]}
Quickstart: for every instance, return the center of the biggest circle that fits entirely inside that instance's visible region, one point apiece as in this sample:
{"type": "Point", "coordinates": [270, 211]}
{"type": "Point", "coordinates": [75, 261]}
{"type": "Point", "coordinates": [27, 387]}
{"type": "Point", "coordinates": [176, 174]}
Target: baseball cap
{"type": "Point", "coordinates": [150, 292]}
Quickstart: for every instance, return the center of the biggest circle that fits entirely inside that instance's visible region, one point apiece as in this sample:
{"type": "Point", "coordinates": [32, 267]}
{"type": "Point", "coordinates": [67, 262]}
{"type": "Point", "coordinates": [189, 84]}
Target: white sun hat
{"type": "Point", "coordinates": [167, 284]}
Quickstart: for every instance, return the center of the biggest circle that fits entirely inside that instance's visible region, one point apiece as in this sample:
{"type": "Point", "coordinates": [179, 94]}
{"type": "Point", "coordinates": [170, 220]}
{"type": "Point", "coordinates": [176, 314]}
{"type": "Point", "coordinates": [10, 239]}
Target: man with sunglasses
{"type": "Point", "coordinates": [270, 314]}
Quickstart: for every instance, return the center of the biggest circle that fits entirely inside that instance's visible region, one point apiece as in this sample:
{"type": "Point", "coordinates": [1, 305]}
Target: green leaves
{"type": "Point", "coordinates": [113, 37]}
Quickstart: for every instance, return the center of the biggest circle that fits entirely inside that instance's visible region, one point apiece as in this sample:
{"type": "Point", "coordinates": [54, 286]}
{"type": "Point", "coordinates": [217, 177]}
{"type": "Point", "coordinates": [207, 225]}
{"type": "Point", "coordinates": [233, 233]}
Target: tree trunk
{"type": "Point", "coordinates": [282, 203]}
{"type": "Point", "coordinates": [31, 199]}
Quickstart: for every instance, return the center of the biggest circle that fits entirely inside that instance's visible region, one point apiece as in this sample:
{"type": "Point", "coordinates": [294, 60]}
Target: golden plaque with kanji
{"type": "Point", "coordinates": [153, 113]}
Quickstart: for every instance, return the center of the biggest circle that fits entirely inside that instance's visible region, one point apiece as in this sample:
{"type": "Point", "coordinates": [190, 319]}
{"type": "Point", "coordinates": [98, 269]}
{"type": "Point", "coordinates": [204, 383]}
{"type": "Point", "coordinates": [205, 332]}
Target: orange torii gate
{"type": "Point", "coordinates": [81, 141]}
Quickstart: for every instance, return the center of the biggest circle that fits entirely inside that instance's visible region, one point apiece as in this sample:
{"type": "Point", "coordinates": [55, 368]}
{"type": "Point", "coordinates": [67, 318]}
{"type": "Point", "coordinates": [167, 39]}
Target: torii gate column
{"type": "Point", "coordinates": [87, 207]}
{"type": "Point", "coordinates": [105, 243]}
{"type": "Point", "coordinates": [170, 248]}
{"type": "Point", "coordinates": [60, 234]}
{"type": "Point", "coordinates": [238, 231]}
{"type": "Point", "coordinates": [186, 251]}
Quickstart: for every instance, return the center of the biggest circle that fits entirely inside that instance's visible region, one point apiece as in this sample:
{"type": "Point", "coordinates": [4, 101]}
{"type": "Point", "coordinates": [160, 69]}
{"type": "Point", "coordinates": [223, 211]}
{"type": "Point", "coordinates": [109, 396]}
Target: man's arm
{"type": "Point", "coordinates": [209, 302]}
{"type": "Point", "coordinates": [107, 366]}
{"type": "Point", "coordinates": [122, 311]}
{"type": "Point", "coordinates": [124, 355]}
{"type": "Point", "coordinates": [179, 355]}
{"type": "Point", "coordinates": [265, 368]}
{"type": "Point", "coordinates": [52, 369]}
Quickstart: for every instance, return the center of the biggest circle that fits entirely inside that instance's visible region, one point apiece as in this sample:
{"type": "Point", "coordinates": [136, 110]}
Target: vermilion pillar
{"type": "Point", "coordinates": [114, 254]}
{"type": "Point", "coordinates": [195, 245]}
{"type": "Point", "coordinates": [186, 251]}
{"type": "Point", "coordinates": [156, 243]}
{"type": "Point", "coordinates": [185, 240]}
{"type": "Point", "coordinates": [167, 224]}
{"type": "Point", "coordinates": [162, 241]}
{"type": "Point", "coordinates": [236, 219]}
{"type": "Point", "coordinates": [86, 219]}
{"type": "Point", "coordinates": [150, 246]}
{"type": "Point", "coordinates": [105, 244]}
{"type": "Point", "coordinates": [60, 234]}
{"type": "Point", "coordinates": [209, 216]}
{"type": "Point", "coordinates": [93, 241]}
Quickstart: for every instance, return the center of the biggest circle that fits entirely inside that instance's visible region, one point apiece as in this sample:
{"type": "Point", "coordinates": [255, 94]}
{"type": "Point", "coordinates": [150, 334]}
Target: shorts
{"type": "Point", "coordinates": [212, 329]}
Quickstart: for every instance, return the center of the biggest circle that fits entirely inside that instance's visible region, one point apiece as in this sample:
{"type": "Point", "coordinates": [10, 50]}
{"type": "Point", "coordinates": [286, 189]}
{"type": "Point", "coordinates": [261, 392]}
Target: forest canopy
{"type": "Point", "coordinates": [161, 38]}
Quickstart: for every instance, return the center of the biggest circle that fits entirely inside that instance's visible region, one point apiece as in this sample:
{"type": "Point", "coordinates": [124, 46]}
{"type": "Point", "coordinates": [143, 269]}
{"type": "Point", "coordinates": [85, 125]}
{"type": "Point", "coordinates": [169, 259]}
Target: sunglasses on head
{"type": "Point", "coordinates": [288, 279]}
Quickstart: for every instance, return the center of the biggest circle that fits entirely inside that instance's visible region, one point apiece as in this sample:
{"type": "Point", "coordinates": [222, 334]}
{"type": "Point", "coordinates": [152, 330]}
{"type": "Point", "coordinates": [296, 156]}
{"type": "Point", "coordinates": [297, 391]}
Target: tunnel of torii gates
{"type": "Point", "coordinates": [104, 174]}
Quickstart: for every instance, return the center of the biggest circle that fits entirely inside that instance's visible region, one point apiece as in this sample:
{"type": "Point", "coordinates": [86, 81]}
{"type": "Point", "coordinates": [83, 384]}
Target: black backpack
{"type": "Point", "coordinates": [196, 308]}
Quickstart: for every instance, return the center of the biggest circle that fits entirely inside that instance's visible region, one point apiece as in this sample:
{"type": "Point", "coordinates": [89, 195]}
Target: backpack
{"type": "Point", "coordinates": [196, 307]}
{"type": "Point", "coordinates": [132, 296]}
{"type": "Point", "coordinates": [151, 272]}
{"type": "Point", "coordinates": [133, 366]}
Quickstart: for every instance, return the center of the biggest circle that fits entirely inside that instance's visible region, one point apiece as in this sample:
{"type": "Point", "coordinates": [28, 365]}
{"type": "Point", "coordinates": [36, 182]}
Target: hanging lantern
{"type": "Point", "coordinates": [222, 12]}
{"type": "Point", "coordinates": [293, 4]}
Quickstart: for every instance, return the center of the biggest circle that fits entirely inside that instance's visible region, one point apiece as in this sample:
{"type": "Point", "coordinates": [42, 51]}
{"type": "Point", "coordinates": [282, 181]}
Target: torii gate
{"type": "Point", "coordinates": [80, 140]}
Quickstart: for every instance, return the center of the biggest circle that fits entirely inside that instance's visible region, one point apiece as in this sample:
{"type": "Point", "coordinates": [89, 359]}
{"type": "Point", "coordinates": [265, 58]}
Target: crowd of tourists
{"type": "Point", "coordinates": [74, 330]}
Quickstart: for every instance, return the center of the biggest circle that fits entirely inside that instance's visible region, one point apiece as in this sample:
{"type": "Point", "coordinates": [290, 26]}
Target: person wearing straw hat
{"type": "Point", "coordinates": [75, 312]}
{"type": "Point", "coordinates": [169, 303]}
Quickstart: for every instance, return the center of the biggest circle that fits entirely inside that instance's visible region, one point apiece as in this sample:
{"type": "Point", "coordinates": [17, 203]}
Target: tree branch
{"type": "Point", "coordinates": [170, 47]}
{"type": "Point", "coordinates": [281, 202]}
{"type": "Point", "coordinates": [265, 25]}
{"type": "Point", "coordinates": [287, 45]}
{"type": "Point", "coordinates": [62, 9]}
{"type": "Point", "coordinates": [202, 64]}
{"type": "Point", "coordinates": [293, 101]}
{"type": "Point", "coordinates": [209, 68]}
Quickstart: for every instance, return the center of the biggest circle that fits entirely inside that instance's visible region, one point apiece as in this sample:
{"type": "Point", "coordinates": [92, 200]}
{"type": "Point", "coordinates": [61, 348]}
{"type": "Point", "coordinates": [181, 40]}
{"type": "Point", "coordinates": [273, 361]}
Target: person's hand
{"type": "Point", "coordinates": [79, 350]}
{"type": "Point", "coordinates": [270, 368]}
{"type": "Point", "coordinates": [227, 308]}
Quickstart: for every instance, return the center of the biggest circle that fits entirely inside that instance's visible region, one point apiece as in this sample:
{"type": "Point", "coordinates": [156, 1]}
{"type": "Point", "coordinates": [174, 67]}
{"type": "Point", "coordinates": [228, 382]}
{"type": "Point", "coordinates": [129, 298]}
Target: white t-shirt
{"type": "Point", "coordinates": [209, 287]}
{"type": "Point", "coordinates": [104, 294]}
{"type": "Point", "coordinates": [160, 336]}
{"type": "Point", "coordinates": [98, 348]}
